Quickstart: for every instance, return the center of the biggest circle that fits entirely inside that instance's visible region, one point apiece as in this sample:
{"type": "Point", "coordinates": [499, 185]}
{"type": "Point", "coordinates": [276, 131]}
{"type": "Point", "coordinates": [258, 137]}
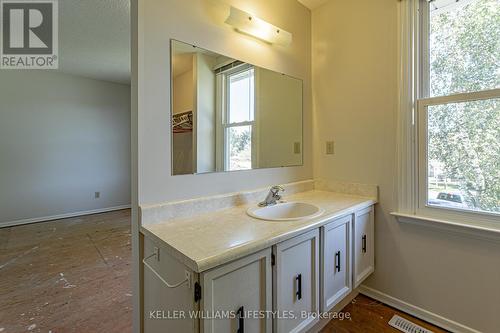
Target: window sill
{"type": "Point", "coordinates": [464, 229]}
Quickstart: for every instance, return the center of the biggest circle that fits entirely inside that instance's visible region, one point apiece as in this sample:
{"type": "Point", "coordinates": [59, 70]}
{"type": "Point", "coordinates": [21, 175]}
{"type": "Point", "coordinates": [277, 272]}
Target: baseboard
{"type": "Point", "coordinates": [415, 311]}
{"type": "Point", "coordinates": [62, 216]}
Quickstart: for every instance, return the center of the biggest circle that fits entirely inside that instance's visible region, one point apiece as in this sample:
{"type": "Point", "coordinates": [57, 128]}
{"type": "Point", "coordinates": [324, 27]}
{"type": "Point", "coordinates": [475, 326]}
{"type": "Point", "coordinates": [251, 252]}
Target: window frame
{"type": "Point", "coordinates": [226, 125]}
{"type": "Point", "coordinates": [424, 207]}
{"type": "Point", "coordinates": [412, 121]}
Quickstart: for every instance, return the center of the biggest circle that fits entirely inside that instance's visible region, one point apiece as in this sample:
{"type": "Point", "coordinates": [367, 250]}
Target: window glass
{"type": "Point", "coordinates": [240, 147]}
{"type": "Point", "coordinates": [241, 96]}
{"type": "Point", "coordinates": [464, 155]}
{"type": "Point", "coordinates": [464, 46]}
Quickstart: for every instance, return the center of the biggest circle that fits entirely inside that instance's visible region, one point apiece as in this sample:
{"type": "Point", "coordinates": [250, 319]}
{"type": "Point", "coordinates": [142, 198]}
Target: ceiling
{"type": "Point", "coordinates": [182, 57]}
{"type": "Point", "coordinates": [312, 4]}
{"type": "Point", "coordinates": [94, 39]}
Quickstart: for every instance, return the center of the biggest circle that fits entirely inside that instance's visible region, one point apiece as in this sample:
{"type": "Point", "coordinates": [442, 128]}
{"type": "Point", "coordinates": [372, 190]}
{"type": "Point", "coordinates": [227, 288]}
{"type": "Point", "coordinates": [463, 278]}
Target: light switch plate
{"type": "Point", "coordinates": [330, 148]}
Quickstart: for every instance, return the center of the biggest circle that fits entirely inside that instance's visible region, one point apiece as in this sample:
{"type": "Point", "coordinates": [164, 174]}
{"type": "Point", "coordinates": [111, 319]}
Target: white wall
{"type": "Point", "coordinates": [201, 22]}
{"type": "Point", "coordinates": [205, 113]}
{"type": "Point", "coordinates": [183, 92]}
{"type": "Point", "coordinates": [355, 75]}
{"type": "Point", "coordinates": [279, 115]}
{"type": "Point", "coordinates": [62, 138]}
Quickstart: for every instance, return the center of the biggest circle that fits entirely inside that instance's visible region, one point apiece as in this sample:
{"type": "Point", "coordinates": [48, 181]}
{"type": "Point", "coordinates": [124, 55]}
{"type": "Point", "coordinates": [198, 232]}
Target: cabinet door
{"type": "Point", "coordinates": [335, 262]}
{"type": "Point", "coordinates": [296, 282]}
{"type": "Point", "coordinates": [238, 288]}
{"type": "Point", "coordinates": [159, 300]}
{"type": "Point", "coordinates": [364, 235]}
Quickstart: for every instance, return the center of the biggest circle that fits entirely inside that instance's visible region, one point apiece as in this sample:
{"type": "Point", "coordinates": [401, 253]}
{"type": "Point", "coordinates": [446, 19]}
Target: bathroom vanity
{"type": "Point", "coordinates": [229, 272]}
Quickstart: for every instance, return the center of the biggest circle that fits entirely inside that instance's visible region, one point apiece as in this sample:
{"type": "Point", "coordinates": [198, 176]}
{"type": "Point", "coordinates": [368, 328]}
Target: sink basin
{"type": "Point", "coordinates": [287, 211]}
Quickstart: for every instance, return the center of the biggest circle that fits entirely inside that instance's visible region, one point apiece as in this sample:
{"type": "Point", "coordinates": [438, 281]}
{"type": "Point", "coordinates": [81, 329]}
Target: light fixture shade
{"type": "Point", "coordinates": [251, 25]}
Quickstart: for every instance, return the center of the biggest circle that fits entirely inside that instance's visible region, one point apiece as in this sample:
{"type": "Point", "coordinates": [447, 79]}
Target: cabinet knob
{"type": "Point", "coordinates": [363, 243]}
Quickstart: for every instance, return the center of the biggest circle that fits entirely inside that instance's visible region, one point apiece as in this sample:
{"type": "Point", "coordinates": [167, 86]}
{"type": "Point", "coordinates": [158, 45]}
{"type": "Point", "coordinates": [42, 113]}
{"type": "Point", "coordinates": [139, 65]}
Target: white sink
{"type": "Point", "coordinates": [287, 211]}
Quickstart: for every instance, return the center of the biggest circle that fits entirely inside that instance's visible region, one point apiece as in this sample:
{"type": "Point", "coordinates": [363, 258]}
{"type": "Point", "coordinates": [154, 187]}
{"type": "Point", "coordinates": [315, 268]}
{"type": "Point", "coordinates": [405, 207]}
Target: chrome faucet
{"type": "Point", "coordinates": [272, 196]}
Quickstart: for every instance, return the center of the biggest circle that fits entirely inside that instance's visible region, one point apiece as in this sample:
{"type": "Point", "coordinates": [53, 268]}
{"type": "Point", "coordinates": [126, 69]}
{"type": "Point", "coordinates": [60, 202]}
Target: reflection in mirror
{"type": "Point", "coordinates": [228, 115]}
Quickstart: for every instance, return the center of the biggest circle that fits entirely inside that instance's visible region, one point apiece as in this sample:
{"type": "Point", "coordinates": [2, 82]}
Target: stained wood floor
{"type": "Point", "coordinates": [370, 316]}
{"type": "Point", "coordinates": [74, 275]}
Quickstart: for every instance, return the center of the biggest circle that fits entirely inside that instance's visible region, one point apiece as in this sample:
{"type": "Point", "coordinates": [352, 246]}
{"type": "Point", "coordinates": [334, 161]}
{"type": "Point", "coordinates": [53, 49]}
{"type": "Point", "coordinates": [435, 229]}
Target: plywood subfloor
{"type": "Point", "coordinates": [70, 275]}
{"type": "Point", "coordinates": [371, 316]}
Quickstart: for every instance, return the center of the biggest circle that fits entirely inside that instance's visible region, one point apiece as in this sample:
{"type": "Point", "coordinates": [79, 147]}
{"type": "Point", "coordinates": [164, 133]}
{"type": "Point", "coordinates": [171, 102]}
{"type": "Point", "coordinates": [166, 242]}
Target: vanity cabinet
{"type": "Point", "coordinates": [293, 279]}
{"type": "Point", "coordinates": [162, 305]}
{"type": "Point", "coordinates": [296, 282]}
{"type": "Point", "coordinates": [336, 281]}
{"type": "Point", "coordinates": [363, 245]}
{"type": "Point", "coordinates": [239, 287]}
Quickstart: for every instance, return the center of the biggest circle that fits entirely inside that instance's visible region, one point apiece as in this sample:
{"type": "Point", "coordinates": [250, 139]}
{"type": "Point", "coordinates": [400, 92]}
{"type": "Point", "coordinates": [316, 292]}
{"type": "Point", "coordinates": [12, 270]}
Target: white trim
{"type": "Point", "coordinates": [459, 98]}
{"type": "Point", "coordinates": [482, 232]}
{"type": "Point", "coordinates": [62, 216]}
{"type": "Point", "coordinates": [462, 216]}
{"type": "Point", "coordinates": [407, 40]}
{"type": "Point", "coordinates": [412, 127]}
{"type": "Point", "coordinates": [226, 116]}
{"type": "Point", "coordinates": [416, 311]}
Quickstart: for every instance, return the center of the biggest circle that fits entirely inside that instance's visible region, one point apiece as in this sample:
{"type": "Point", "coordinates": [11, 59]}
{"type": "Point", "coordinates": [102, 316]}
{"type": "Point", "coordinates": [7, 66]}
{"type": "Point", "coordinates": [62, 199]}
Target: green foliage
{"type": "Point", "coordinates": [465, 48]}
{"type": "Point", "coordinates": [240, 141]}
{"type": "Point", "coordinates": [465, 137]}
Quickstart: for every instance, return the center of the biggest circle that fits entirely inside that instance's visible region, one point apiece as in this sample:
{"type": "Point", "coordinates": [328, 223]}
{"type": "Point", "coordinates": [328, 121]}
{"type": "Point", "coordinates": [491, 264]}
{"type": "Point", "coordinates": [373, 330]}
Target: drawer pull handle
{"type": "Point", "coordinates": [363, 243]}
{"type": "Point", "coordinates": [241, 320]}
{"type": "Point", "coordinates": [187, 274]}
{"type": "Point", "coordinates": [337, 261]}
{"type": "Point", "coordinates": [298, 278]}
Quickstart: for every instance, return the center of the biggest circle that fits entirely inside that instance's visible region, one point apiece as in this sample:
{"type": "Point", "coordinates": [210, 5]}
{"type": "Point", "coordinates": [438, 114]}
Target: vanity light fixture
{"type": "Point", "coordinates": [251, 25]}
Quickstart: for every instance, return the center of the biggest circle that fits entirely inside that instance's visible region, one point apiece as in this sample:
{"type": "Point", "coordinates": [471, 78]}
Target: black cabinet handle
{"type": "Point", "coordinates": [241, 320]}
{"type": "Point", "coordinates": [298, 278]}
{"type": "Point", "coordinates": [364, 243]}
{"type": "Point", "coordinates": [337, 261]}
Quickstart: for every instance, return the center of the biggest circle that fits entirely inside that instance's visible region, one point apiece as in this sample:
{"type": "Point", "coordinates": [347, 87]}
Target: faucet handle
{"type": "Point", "coordinates": [277, 188]}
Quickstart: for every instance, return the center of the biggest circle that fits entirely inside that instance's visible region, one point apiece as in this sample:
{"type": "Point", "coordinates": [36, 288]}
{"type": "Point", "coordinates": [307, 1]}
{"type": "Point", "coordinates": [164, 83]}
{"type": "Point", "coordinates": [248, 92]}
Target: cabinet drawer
{"type": "Point", "coordinates": [336, 282]}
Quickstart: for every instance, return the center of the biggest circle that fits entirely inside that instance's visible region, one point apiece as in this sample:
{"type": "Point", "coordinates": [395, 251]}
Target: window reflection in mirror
{"type": "Point", "coordinates": [228, 115]}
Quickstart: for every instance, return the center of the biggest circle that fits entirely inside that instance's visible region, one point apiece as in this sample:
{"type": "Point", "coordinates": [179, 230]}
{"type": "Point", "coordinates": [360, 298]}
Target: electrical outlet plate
{"type": "Point", "coordinates": [330, 148]}
{"type": "Point", "coordinates": [97, 195]}
{"type": "Point", "coordinates": [296, 147]}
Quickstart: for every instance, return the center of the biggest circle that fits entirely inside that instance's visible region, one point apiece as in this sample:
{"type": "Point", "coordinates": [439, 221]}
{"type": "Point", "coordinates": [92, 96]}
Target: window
{"type": "Point", "coordinates": [451, 156]}
{"type": "Point", "coordinates": [239, 118]}
{"type": "Point", "coordinates": [459, 108]}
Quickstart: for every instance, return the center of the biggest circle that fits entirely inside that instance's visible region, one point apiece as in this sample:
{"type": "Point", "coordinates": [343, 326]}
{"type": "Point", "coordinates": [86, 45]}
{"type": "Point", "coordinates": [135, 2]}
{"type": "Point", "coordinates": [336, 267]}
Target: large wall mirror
{"type": "Point", "coordinates": [228, 115]}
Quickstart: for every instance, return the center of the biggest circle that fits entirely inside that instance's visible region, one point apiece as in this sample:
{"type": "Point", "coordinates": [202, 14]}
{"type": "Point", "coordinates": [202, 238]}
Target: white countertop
{"type": "Point", "coordinates": [208, 240]}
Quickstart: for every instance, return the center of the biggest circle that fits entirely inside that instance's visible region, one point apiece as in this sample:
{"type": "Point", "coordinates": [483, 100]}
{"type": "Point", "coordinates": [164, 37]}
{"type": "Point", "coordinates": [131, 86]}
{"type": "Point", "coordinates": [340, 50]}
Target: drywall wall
{"type": "Point", "coordinates": [205, 113]}
{"type": "Point", "coordinates": [62, 138]}
{"type": "Point", "coordinates": [355, 75]}
{"type": "Point", "coordinates": [279, 116]}
{"type": "Point", "coordinates": [183, 91]}
{"type": "Point", "coordinates": [201, 22]}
